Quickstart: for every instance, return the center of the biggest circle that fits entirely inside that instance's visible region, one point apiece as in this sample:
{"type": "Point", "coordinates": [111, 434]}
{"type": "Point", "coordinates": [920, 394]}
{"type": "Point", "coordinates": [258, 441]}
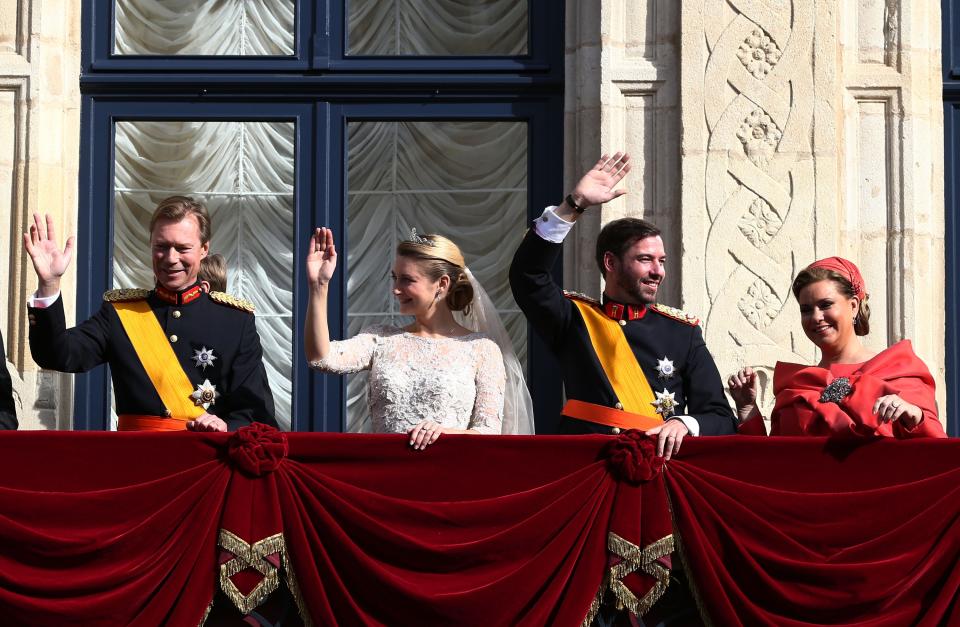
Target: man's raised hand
{"type": "Point", "coordinates": [597, 186]}
{"type": "Point", "coordinates": [49, 262]}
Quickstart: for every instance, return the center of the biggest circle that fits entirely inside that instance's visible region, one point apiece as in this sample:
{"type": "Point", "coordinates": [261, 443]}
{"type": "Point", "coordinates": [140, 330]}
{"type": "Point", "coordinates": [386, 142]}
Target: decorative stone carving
{"type": "Point", "coordinates": [759, 54]}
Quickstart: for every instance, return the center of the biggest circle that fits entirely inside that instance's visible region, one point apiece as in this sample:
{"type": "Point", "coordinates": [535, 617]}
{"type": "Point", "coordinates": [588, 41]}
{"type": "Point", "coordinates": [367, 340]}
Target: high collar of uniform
{"type": "Point", "coordinates": [182, 297]}
{"type": "Point", "coordinates": [622, 311]}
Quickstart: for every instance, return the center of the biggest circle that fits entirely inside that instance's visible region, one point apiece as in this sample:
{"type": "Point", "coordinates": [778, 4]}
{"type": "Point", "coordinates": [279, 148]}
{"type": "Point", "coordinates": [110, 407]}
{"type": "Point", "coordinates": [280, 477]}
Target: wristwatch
{"type": "Point", "coordinates": [569, 200]}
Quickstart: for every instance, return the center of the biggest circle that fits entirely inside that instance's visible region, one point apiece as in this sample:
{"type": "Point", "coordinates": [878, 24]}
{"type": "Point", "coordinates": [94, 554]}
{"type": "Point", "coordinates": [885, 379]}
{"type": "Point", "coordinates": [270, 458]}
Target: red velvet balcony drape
{"type": "Point", "coordinates": [136, 528]}
{"type": "Point", "coordinates": [131, 528]}
{"type": "Point", "coordinates": [809, 531]}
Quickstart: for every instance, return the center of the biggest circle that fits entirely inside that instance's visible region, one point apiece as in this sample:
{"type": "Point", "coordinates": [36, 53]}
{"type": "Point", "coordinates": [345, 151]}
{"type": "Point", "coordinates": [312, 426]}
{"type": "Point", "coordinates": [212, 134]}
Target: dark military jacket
{"type": "Point", "coordinates": [226, 326]}
{"type": "Point", "coordinates": [654, 334]}
{"type": "Point", "coordinates": [8, 411]}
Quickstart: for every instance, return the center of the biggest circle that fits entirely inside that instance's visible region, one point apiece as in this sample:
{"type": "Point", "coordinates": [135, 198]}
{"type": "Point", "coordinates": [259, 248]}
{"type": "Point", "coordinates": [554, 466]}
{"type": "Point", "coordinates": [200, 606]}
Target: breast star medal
{"type": "Point", "coordinates": [665, 368]}
{"type": "Point", "coordinates": [204, 357]}
{"type": "Point", "coordinates": [205, 395]}
{"type": "Point", "coordinates": [665, 404]}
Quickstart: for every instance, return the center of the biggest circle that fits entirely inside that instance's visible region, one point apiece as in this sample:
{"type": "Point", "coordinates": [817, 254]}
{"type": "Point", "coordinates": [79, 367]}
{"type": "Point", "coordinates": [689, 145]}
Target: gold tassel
{"type": "Point", "coordinates": [645, 560]}
{"type": "Point", "coordinates": [249, 556]}
{"type": "Point", "coordinates": [295, 591]}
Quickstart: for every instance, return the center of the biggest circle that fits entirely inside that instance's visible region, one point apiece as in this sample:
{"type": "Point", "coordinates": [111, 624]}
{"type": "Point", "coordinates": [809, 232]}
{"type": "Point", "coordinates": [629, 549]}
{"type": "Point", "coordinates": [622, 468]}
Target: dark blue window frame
{"type": "Point", "coordinates": [320, 46]}
{"type": "Point", "coordinates": [950, 25]}
{"type": "Point", "coordinates": [96, 217]}
{"type": "Point", "coordinates": [321, 89]}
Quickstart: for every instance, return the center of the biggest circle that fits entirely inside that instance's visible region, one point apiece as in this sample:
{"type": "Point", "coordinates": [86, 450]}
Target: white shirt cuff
{"type": "Point", "coordinates": [690, 423]}
{"type": "Point", "coordinates": [551, 227]}
{"type": "Point", "coordinates": [38, 302]}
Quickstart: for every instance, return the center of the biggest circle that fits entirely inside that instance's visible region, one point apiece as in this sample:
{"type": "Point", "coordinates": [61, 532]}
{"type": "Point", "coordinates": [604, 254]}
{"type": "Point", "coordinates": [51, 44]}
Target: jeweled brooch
{"type": "Point", "coordinates": [836, 390]}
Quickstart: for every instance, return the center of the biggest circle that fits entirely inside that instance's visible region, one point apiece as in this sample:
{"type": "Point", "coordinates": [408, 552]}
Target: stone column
{"type": "Point", "coordinates": [810, 128]}
{"type": "Point", "coordinates": [39, 152]}
{"type": "Point", "coordinates": [622, 88]}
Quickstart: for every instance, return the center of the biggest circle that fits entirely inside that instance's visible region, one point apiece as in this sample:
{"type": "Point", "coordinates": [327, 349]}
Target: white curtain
{"type": "Point", "coordinates": [437, 27]}
{"type": "Point", "coordinates": [244, 173]}
{"type": "Point", "coordinates": [465, 180]}
{"type": "Point", "coordinates": [204, 27]}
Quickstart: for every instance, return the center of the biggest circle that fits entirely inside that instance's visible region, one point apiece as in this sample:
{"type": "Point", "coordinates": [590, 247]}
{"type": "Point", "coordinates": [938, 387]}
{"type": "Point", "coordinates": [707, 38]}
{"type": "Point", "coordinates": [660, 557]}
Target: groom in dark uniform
{"type": "Point", "coordinates": [627, 361]}
{"type": "Point", "coordinates": [180, 358]}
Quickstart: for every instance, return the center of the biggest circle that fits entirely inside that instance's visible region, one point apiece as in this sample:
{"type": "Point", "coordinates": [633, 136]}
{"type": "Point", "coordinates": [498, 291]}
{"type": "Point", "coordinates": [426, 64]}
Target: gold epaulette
{"type": "Point", "coordinates": [232, 301]}
{"type": "Point", "coordinates": [125, 295]}
{"type": "Point", "coordinates": [582, 297]}
{"type": "Point", "coordinates": [676, 314]}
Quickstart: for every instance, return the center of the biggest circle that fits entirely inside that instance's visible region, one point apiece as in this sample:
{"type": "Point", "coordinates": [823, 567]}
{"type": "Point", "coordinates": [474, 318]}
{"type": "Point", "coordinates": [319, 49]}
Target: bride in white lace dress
{"type": "Point", "coordinates": [431, 377]}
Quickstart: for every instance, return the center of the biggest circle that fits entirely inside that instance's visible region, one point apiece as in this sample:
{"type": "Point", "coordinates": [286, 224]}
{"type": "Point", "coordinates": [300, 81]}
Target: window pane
{"type": "Point", "coordinates": [437, 27]}
{"type": "Point", "coordinates": [244, 173]}
{"type": "Point", "coordinates": [201, 27]}
{"type": "Point", "coordinates": [465, 180]}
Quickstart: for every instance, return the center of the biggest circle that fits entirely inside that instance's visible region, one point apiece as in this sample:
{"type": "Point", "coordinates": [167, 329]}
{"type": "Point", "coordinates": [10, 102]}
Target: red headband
{"type": "Point", "coordinates": [846, 269]}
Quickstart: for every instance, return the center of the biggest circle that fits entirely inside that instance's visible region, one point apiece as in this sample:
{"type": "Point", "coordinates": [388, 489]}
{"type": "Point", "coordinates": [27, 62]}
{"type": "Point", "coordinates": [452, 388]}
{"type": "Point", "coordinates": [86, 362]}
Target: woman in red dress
{"type": "Point", "coordinates": [853, 390]}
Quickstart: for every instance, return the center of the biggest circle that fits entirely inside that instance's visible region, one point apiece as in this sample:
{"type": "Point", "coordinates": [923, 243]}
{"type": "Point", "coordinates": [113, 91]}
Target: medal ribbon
{"type": "Point", "coordinates": [158, 359]}
{"type": "Point", "coordinates": [618, 362]}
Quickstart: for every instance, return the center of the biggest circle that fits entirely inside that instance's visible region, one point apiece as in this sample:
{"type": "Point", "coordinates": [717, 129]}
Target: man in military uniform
{"type": "Point", "coordinates": [627, 361]}
{"type": "Point", "coordinates": [180, 358]}
{"type": "Point", "coordinates": [8, 410]}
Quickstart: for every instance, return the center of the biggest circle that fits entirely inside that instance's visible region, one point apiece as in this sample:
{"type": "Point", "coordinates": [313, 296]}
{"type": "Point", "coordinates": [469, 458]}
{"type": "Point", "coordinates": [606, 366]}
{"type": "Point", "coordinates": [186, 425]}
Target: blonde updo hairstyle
{"type": "Point", "coordinates": [809, 276]}
{"type": "Point", "coordinates": [438, 256]}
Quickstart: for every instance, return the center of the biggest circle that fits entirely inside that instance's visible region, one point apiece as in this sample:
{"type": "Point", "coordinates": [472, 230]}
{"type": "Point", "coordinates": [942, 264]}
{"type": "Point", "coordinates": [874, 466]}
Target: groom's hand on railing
{"type": "Point", "coordinates": [669, 437]}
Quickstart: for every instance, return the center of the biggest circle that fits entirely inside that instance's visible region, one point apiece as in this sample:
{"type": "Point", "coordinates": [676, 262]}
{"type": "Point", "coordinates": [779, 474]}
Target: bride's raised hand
{"type": "Point", "coordinates": [321, 257]}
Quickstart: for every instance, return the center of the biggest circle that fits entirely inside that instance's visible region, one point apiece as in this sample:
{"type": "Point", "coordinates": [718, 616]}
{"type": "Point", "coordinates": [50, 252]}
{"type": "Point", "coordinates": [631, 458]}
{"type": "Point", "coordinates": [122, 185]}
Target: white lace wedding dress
{"type": "Point", "coordinates": [457, 382]}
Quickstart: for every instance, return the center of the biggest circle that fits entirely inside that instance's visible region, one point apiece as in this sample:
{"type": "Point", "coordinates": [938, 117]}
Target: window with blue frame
{"type": "Point", "coordinates": [440, 116]}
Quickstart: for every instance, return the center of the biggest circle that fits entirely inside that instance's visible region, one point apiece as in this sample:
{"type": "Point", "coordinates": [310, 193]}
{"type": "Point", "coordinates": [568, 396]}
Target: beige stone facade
{"type": "Point", "coordinates": [39, 152]}
{"type": "Point", "coordinates": [764, 135]}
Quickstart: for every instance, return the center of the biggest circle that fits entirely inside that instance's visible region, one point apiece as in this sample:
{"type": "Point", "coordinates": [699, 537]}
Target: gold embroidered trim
{"type": "Point", "coordinates": [595, 604]}
{"type": "Point", "coordinates": [581, 297]}
{"type": "Point", "coordinates": [633, 558]}
{"type": "Point", "coordinates": [249, 556]}
{"type": "Point", "coordinates": [206, 614]}
{"type": "Point", "coordinates": [294, 587]}
{"type": "Point", "coordinates": [232, 301]}
{"type": "Point", "coordinates": [646, 560]}
{"type": "Point", "coordinates": [676, 314]}
{"type": "Point", "coordinates": [119, 296]}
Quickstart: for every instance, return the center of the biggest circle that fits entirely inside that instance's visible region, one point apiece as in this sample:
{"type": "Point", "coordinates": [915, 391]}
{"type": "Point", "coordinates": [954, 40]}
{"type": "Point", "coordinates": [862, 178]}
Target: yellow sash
{"type": "Point", "coordinates": [158, 359]}
{"type": "Point", "coordinates": [618, 361]}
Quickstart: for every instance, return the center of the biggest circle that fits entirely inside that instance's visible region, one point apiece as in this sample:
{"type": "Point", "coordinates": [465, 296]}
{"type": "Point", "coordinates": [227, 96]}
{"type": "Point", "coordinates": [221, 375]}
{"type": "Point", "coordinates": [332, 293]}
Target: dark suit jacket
{"type": "Point", "coordinates": [237, 372]}
{"type": "Point", "coordinates": [8, 411]}
{"type": "Point", "coordinates": [696, 385]}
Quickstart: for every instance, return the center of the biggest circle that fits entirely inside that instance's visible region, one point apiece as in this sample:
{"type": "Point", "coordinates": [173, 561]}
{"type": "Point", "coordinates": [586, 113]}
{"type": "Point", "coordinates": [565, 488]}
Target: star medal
{"type": "Point", "coordinates": [664, 404]}
{"type": "Point", "coordinates": [665, 368]}
{"type": "Point", "coordinates": [205, 395]}
{"type": "Point", "coordinates": [204, 357]}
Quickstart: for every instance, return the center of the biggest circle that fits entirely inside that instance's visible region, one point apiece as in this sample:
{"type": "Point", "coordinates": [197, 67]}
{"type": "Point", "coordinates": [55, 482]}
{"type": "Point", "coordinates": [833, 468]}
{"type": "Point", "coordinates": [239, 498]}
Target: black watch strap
{"type": "Point", "coordinates": [576, 207]}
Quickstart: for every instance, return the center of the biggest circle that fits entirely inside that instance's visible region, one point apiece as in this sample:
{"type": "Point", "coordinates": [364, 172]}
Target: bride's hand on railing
{"type": "Point", "coordinates": [321, 257]}
{"type": "Point", "coordinates": [424, 433]}
{"type": "Point", "coordinates": [743, 389]}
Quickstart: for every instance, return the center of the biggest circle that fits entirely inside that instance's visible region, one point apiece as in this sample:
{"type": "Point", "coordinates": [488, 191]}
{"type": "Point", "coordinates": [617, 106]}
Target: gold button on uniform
{"type": "Point", "coordinates": [167, 413]}
{"type": "Point", "coordinates": [615, 430]}
{"type": "Point", "coordinates": [173, 338]}
{"type": "Point", "coordinates": [623, 323]}
{"type": "Point", "coordinates": [619, 405]}
{"type": "Point", "coordinates": [176, 313]}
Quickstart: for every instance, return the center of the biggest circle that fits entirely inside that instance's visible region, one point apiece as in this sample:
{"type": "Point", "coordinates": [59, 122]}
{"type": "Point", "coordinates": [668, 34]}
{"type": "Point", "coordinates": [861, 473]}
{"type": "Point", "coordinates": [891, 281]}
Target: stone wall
{"type": "Point", "coordinates": [39, 151]}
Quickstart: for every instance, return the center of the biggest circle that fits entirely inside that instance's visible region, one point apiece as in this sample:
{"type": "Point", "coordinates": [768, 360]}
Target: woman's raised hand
{"type": "Point", "coordinates": [743, 389]}
{"type": "Point", "coordinates": [321, 257]}
{"type": "Point", "coordinates": [49, 261]}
